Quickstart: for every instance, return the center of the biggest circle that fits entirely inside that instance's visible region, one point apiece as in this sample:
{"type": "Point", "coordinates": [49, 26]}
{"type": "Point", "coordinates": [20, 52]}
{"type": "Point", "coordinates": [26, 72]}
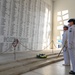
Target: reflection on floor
{"type": "Point", "coordinates": [53, 69]}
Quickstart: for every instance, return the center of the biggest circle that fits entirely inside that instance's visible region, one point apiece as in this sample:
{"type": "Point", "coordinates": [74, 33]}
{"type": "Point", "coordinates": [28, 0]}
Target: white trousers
{"type": "Point", "coordinates": [66, 56]}
{"type": "Point", "coordinates": [72, 58]}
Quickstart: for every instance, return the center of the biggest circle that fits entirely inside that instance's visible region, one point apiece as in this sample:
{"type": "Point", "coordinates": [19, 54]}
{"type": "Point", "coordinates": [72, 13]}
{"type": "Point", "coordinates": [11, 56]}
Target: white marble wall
{"type": "Point", "coordinates": [25, 20]}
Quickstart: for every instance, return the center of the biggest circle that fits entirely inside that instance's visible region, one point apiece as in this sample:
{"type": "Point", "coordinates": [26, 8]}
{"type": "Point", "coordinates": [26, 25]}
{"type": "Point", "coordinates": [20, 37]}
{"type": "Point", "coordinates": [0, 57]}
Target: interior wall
{"type": "Point", "coordinates": [27, 20]}
{"type": "Point", "coordinates": [67, 9]}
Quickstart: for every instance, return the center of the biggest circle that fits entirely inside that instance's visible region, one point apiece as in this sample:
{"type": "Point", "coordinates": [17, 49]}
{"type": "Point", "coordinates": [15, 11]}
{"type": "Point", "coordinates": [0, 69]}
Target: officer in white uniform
{"type": "Point", "coordinates": [71, 44]}
{"type": "Point", "coordinates": [65, 47]}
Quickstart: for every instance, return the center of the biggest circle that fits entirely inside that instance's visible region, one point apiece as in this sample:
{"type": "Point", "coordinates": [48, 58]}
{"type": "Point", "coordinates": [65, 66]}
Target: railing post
{"type": "Point", "coordinates": [14, 53]}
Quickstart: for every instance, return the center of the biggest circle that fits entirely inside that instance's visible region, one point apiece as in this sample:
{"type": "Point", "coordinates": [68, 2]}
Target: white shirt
{"type": "Point", "coordinates": [71, 37]}
{"type": "Point", "coordinates": [64, 39]}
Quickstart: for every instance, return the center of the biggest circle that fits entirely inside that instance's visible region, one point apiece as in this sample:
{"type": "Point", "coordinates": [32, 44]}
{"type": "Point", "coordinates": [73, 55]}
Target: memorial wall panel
{"type": "Point", "coordinates": [24, 20]}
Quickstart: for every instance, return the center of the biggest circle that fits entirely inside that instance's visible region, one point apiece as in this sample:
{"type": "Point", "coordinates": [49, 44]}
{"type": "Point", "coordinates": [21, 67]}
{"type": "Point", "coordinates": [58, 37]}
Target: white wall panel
{"type": "Point", "coordinates": [22, 19]}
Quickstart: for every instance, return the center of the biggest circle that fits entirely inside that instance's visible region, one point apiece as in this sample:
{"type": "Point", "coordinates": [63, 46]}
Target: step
{"type": "Point", "coordinates": [24, 62]}
{"type": "Point", "coordinates": [23, 66]}
{"type": "Point", "coordinates": [24, 59]}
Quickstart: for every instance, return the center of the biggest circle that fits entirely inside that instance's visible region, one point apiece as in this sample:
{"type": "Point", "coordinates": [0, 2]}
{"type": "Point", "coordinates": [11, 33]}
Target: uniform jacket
{"type": "Point", "coordinates": [71, 37]}
{"type": "Point", "coordinates": [64, 39]}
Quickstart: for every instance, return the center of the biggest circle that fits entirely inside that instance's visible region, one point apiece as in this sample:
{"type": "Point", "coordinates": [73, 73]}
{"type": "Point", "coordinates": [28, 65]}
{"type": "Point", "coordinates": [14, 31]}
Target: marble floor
{"type": "Point", "coordinates": [53, 69]}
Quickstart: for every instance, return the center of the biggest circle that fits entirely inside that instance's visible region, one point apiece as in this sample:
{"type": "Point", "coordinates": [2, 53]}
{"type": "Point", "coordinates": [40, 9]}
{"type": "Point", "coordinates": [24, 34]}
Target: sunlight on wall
{"type": "Point", "coordinates": [62, 19]}
{"type": "Point", "coordinates": [59, 18]}
{"type": "Point", "coordinates": [60, 23]}
{"type": "Point", "coordinates": [46, 30]}
{"type": "Point", "coordinates": [60, 27]}
{"type": "Point", "coordinates": [64, 12]}
{"type": "Point", "coordinates": [59, 13]}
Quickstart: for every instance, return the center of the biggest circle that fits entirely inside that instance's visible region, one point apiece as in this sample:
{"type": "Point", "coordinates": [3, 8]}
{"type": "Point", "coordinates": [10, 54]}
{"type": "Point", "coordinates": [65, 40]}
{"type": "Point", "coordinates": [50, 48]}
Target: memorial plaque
{"type": "Point", "coordinates": [25, 20]}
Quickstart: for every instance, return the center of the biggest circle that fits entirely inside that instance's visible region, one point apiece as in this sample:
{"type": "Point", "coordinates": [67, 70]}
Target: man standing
{"type": "Point", "coordinates": [65, 48]}
{"type": "Point", "coordinates": [71, 44]}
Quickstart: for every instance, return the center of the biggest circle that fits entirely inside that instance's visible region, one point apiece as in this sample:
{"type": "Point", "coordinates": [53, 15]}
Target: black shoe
{"type": "Point", "coordinates": [71, 72]}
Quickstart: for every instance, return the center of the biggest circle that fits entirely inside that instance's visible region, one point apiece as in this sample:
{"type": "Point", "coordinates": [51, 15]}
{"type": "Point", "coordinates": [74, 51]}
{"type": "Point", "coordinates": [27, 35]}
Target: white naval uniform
{"type": "Point", "coordinates": [71, 45]}
{"type": "Point", "coordinates": [65, 49]}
